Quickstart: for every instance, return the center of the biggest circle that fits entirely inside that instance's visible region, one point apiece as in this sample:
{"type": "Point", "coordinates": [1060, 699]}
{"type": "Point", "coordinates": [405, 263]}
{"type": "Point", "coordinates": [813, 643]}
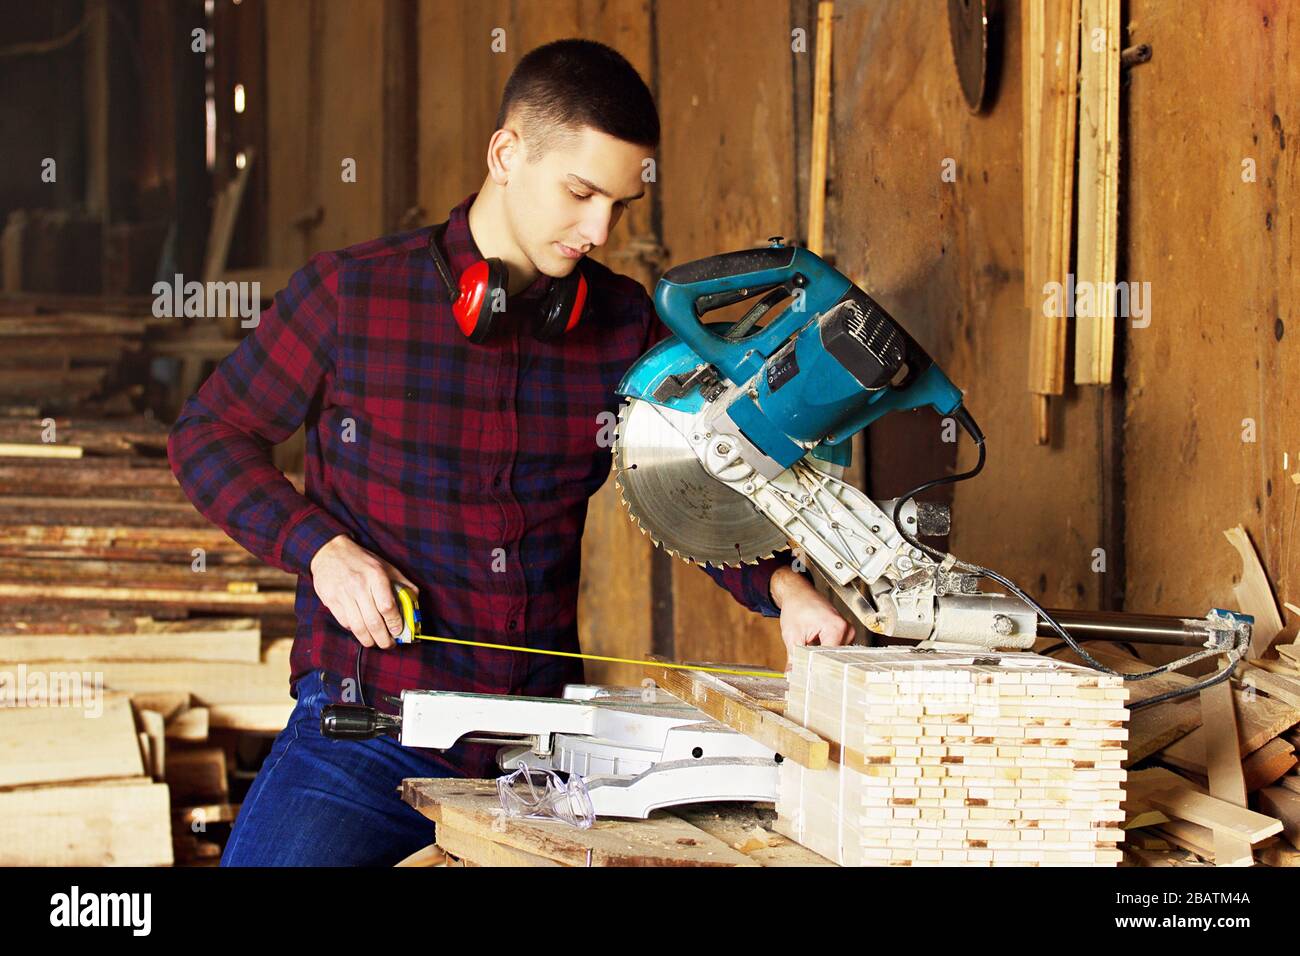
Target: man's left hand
{"type": "Point", "coordinates": [806, 616]}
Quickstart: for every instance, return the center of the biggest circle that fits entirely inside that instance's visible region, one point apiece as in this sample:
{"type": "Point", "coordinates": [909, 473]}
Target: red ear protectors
{"type": "Point", "coordinates": [479, 300]}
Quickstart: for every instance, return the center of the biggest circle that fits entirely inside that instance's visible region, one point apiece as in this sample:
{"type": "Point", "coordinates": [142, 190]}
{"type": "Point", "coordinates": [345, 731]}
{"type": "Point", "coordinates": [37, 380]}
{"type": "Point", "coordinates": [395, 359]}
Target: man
{"type": "Point", "coordinates": [462, 470]}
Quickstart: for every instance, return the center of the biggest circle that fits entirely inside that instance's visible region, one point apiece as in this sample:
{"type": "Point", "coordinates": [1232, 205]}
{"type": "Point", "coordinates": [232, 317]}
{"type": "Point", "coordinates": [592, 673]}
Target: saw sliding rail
{"type": "Point", "coordinates": [1123, 627]}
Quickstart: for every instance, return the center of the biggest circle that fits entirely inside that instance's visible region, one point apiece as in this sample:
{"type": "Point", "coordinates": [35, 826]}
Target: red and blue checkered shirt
{"type": "Point", "coordinates": [466, 466]}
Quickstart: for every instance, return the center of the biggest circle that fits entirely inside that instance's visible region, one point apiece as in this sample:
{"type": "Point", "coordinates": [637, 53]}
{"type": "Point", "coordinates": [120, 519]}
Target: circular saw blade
{"type": "Point", "coordinates": [684, 509]}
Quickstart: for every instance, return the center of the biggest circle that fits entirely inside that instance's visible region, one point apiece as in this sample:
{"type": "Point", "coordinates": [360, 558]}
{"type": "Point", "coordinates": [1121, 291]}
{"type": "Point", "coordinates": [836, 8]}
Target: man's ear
{"type": "Point", "coordinates": [503, 152]}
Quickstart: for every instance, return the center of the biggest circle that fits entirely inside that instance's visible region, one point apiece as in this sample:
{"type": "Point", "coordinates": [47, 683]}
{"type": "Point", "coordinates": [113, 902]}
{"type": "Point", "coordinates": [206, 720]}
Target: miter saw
{"type": "Point", "coordinates": [734, 438]}
{"type": "Point", "coordinates": [730, 447]}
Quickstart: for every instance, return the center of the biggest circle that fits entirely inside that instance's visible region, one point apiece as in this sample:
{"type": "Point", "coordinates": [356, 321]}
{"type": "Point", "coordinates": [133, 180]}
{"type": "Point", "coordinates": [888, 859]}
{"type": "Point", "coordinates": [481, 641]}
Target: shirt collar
{"type": "Point", "coordinates": [462, 251]}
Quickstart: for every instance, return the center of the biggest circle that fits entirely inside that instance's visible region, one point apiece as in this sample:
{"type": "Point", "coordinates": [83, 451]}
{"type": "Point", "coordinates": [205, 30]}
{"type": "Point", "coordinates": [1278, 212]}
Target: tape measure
{"type": "Point", "coordinates": [410, 614]}
{"type": "Point", "coordinates": [411, 632]}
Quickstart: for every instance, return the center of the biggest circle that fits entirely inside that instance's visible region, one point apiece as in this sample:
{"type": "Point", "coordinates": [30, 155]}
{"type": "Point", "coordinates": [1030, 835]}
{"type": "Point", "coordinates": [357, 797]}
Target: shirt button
{"type": "Point", "coordinates": [514, 625]}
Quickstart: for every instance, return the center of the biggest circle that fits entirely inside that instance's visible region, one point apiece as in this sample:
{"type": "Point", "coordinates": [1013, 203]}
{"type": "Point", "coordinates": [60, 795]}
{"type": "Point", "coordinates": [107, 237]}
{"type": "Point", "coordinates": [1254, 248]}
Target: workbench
{"type": "Point", "coordinates": [472, 828]}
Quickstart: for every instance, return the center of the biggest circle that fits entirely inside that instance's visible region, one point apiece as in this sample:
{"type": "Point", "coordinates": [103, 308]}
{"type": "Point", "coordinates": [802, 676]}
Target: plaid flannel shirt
{"type": "Point", "coordinates": [468, 467]}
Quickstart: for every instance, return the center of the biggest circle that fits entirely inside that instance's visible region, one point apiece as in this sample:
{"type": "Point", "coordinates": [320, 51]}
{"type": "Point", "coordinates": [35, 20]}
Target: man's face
{"type": "Point", "coordinates": [565, 205]}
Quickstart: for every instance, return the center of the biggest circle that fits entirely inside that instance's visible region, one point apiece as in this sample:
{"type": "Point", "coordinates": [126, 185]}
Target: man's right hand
{"type": "Point", "coordinates": [357, 588]}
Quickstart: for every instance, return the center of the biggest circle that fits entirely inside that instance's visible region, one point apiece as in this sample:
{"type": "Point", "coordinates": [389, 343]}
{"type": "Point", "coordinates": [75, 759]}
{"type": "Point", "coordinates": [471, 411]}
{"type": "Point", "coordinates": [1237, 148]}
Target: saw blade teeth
{"type": "Point", "coordinates": [654, 465]}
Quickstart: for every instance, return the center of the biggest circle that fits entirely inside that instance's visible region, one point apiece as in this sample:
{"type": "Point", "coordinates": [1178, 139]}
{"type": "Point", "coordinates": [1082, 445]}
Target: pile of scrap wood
{"type": "Point", "coordinates": [1214, 778]}
{"type": "Point", "coordinates": [1214, 774]}
{"type": "Point", "coordinates": [141, 650]}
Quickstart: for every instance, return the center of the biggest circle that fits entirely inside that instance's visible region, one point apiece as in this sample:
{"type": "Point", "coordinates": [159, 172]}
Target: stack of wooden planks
{"type": "Point", "coordinates": [953, 758]}
{"type": "Point", "coordinates": [59, 352]}
{"type": "Point", "coordinates": [168, 643]}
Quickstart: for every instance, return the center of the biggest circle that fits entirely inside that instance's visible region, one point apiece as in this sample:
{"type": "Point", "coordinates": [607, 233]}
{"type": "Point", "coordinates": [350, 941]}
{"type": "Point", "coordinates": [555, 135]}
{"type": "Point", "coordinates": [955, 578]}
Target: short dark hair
{"type": "Point", "coordinates": [568, 84]}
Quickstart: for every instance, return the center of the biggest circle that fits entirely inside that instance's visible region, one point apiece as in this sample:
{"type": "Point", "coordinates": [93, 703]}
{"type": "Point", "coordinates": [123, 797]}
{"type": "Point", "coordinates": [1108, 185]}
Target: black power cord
{"type": "Point", "coordinates": [971, 427]}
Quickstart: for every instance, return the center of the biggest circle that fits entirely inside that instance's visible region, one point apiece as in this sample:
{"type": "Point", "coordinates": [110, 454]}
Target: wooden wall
{"type": "Point", "coordinates": [1150, 471]}
{"type": "Point", "coordinates": [1222, 87]}
{"type": "Point", "coordinates": [1155, 468]}
{"type": "Point", "coordinates": [946, 259]}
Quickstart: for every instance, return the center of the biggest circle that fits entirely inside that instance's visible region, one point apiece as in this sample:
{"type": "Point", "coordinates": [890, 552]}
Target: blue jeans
{"type": "Point", "coordinates": [321, 802]}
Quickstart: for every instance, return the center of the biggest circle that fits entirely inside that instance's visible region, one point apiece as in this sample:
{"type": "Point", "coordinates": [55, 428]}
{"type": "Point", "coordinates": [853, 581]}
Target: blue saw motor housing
{"type": "Point", "coordinates": [827, 366]}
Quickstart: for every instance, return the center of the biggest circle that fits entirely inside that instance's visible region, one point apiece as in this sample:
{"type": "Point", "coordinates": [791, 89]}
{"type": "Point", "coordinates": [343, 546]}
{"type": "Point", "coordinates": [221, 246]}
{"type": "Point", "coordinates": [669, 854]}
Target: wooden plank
{"type": "Point", "coordinates": [746, 830]}
{"type": "Point", "coordinates": [484, 852]}
{"type": "Point", "coordinates": [99, 473]}
{"type": "Point", "coordinates": [45, 743]}
{"type": "Point", "coordinates": [245, 646]}
{"type": "Point", "coordinates": [1184, 803]}
{"type": "Point", "coordinates": [1254, 595]}
{"type": "Point", "coordinates": [1260, 720]}
{"type": "Point", "coordinates": [1268, 764]}
{"type": "Point", "coordinates": [1275, 667]}
{"type": "Point", "coordinates": [55, 502]}
{"type": "Point", "coordinates": [263, 718]}
{"type": "Point", "coordinates": [1190, 836]}
{"type": "Point", "coordinates": [168, 703]}
{"type": "Point", "coordinates": [471, 806]}
{"type": "Point", "coordinates": [1284, 805]}
{"type": "Point", "coordinates": [1275, 685]}
{"type": "Point", "coordinates": [39, 450]}
{"type": "Point", "coordinates": [117, 541]}
{"type": "Point", "coordinates": [108, 436]}
{"type": "Point", "coordinates": [766, 692]}
{"type": "Point", "coordinates": [820, 128]}
{"type": "Point", "coordinates": [1033, 44]}
{"type": "Point", "coordinates": [729, 706]}
{"type": "Point", "coordinates": [153, 729]}
{"type": "Point", "coordinates": [1227, 780]}
{"type": "Point", "coordinates": [1146, 857]}
{"type": "Point", "coordinates": [270, 601]}
{"type": "Point", "coordinates": [1280, 854]}
{"type": "Point", "coordinates": [110, 824]}
{"type": "Point", "coordinates": [351, 34]}
{"type": "Point", "coordinates": [210, 682]}
{"type": "Point", "coordinates": [198, 775]}
{"type": "Point", "coordinates": [1048, 245]}
{"type": "Point", "coordinates": [190, 724]}
{"type": "Point", "coordinates": [1098, 192]}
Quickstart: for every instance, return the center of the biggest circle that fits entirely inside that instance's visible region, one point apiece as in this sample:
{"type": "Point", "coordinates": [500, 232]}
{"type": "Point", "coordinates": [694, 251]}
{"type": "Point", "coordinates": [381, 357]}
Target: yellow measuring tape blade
{"type": "Point", "coordinates": [598, 657]}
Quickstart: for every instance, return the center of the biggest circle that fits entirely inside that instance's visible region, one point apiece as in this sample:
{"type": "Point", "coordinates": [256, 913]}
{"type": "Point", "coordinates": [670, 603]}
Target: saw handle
{"type": "Point", "coordinates": [356, 722]}
{"type": "Point", "coordinates": [689, 291]}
